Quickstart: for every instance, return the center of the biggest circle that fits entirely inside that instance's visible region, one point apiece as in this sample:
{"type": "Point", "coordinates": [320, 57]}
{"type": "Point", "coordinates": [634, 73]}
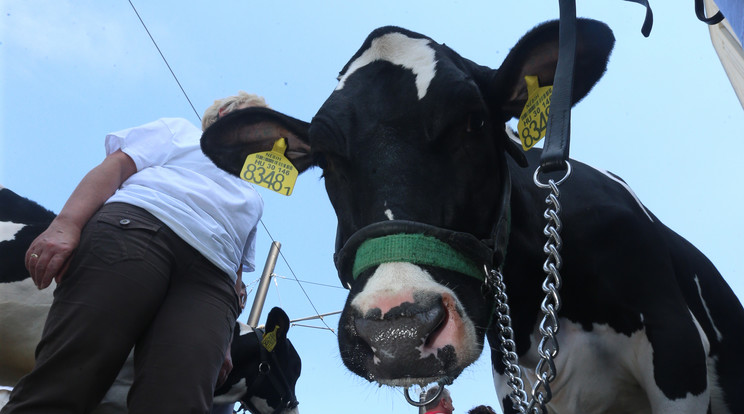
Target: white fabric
{"type": "Point", "coordinates": [728, 45]}
{"type": "Point", "coordinates": [214, 212]}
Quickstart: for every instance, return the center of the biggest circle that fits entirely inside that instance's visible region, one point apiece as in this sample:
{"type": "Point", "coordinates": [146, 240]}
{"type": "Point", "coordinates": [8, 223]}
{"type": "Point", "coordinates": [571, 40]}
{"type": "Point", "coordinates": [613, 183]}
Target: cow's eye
{"type": "Point", "coordinates": [476, 121]}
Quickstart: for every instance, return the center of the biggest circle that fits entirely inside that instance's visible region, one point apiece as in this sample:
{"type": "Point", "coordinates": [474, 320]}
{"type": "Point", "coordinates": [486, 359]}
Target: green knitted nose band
{"type": "Point", "coordinates": [413, 248]}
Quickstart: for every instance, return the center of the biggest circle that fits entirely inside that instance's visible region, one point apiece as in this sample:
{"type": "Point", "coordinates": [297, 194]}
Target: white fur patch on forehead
{"type": "Point", "coordinates": [401, 50]}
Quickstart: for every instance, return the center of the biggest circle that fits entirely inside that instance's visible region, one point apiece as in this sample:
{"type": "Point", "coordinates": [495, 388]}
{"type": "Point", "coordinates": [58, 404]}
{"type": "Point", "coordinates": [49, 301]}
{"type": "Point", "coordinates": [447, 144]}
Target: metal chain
{"type": "Point", "coordinates": [551, 304]}
{"type": "Point", "coordinates": [506, 342]}
{"type": "Point", "coordinates": [541, 394]}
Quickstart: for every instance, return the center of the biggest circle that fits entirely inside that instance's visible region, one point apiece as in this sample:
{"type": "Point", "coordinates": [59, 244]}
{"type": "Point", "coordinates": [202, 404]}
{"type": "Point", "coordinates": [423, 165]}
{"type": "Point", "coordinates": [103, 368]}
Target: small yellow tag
{"type": "Point", "coordinates": [269, 339]}
{"type": "Point", "coordinates": [271, 169]}
{"type": "Point", "coordinates": [533, 122]}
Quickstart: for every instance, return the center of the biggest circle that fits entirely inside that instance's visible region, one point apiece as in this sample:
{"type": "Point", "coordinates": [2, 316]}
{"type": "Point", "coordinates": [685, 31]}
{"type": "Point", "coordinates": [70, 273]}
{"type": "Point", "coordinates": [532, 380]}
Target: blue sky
{"type": "Point", "coordinates": [664, 118]}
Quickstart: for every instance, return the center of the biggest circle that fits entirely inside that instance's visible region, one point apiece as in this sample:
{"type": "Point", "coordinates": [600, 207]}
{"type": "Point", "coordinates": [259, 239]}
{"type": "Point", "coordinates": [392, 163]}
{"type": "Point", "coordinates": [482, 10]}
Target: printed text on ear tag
{"type": "Point", "coordinates": [533, 122]}
{"type": "Point", "coordinates": [271, 169]}
{"type": "Point", "coordinates": [269, 340]}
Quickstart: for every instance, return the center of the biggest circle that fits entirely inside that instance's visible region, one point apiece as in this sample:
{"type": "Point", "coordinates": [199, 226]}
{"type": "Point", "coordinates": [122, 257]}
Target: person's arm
{"type": "Point", "coordinates": [48, 255]}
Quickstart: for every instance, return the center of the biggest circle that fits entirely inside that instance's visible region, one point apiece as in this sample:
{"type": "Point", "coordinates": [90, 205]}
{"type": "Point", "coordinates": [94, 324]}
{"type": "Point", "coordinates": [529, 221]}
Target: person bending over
{"type": "Point", "coordinates": [147, 253]}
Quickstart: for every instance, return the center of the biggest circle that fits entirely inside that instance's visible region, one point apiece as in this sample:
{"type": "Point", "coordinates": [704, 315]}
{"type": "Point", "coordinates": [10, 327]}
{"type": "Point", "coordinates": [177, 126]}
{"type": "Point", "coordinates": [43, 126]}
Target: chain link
{"type": "Point", "coordinates": [507, 346]}
{"type": "Point", "coordinates": [545, 371]}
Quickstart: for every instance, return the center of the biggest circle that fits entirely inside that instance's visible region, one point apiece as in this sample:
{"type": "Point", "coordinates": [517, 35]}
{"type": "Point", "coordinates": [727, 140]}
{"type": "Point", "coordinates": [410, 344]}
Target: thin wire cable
{"type": "Point", "coordinates": [164, 59]}
{"type": "Point", "coordinates": [307, 282]}
{"type": "Point", "coordinates": [299, 325]}
{"type": "Point", "coordinates": [297, 280]}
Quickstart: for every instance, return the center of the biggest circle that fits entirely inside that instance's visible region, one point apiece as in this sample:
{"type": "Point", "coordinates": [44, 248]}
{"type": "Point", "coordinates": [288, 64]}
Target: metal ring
{"type": "Point", "coordinates": [264, 368]}
{"type": "Point", "coordinates": [559, 182]}
{"type": "Point", "coordinates": [34, 256]}
{"type": "Point", "coordinates": [423, 403]}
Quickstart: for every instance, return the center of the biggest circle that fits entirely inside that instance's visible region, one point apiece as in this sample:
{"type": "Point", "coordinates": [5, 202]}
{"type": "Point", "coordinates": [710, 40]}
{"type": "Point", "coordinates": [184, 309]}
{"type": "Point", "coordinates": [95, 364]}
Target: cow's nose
{"type": "Point", "coordinates": [399, 339]}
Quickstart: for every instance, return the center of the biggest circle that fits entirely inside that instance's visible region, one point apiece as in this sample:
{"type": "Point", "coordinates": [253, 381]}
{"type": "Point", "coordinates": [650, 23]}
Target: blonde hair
{"type": "Point", "coordinates": [229, 104]}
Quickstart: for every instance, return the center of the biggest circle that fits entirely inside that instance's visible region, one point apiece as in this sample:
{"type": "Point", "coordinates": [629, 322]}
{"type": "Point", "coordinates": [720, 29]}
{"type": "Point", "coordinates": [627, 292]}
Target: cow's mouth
{"type": "Point", "coordinates": [419, 341]}
{"type": "Point", "coordinates": [409, 350]}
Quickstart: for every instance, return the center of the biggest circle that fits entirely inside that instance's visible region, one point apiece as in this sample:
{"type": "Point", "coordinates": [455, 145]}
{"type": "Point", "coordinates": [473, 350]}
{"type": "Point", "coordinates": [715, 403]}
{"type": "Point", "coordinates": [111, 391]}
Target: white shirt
{"type": "Point", "coordinates": [208, 208]}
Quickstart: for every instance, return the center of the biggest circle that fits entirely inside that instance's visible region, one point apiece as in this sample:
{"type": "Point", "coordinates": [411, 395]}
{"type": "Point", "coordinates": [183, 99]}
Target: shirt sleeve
{"type": "Point", "coordinates": [148, 145]}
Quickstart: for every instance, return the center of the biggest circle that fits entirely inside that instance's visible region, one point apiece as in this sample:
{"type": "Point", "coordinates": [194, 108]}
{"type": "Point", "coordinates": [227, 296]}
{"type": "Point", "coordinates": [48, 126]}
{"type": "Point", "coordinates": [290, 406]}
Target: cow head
{"type": "Point", "coordinates": [266, 368]}
{"type": "Point", "coordinates": [413, 151]}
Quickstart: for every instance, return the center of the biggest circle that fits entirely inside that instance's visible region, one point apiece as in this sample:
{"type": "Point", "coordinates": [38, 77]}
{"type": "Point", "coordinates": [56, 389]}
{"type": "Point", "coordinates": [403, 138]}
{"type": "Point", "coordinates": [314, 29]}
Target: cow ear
{"type": "Point", "coordinates": [278, 322]}
{"type": "Point", "coordinates": [536, 54]}
{"type": "Point", "coordinates": [233, 137]}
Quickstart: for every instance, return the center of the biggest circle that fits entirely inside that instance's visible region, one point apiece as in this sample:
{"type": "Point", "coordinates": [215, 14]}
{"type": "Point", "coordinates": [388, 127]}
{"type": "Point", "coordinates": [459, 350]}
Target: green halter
{"type": "Point", "coordinates": [418, 249]}
{"type": "Point", "coordinates": [423, 244]}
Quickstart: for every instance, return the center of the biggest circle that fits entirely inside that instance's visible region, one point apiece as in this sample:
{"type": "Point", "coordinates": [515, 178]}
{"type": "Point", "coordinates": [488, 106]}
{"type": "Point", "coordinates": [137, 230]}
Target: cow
{"type": "Point", "coordinates": [263, 378]}
{"type": "Point", "coordinates": [434, 200]}
{"type": "Point", "coordinates": [264, 375]}
{"type": "Point", "coordinates": [22, 220]}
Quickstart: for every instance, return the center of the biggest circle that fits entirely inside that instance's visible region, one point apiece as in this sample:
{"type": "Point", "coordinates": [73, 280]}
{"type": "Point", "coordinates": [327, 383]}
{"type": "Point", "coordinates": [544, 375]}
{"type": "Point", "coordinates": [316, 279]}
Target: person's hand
{"type": "Point", "coordinates": [48, 256]}
{"type": "Point", "coordinates": [227, 366]}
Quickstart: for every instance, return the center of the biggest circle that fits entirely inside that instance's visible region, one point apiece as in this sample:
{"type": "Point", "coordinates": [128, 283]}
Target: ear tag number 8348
{"type": "Point", "coordinates": [533, 122]}
{"type": "Point", "coordinates": [271, 169]}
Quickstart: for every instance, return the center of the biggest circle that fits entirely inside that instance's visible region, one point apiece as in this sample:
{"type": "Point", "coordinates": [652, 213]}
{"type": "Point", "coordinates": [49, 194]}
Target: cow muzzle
{"type": "Point", "coordinates": [401, 326]}
{"type": "Point", "coordinates": [404, 328]}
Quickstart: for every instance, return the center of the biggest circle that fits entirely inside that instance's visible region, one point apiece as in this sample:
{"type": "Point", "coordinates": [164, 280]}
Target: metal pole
{"type": "Point", "coordinates": [263, 285]}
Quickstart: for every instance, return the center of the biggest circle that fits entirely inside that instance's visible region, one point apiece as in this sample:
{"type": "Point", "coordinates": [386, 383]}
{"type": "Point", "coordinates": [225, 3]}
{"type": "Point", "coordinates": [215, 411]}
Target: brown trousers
{"type": "Point", "coordinates": [132, 283]}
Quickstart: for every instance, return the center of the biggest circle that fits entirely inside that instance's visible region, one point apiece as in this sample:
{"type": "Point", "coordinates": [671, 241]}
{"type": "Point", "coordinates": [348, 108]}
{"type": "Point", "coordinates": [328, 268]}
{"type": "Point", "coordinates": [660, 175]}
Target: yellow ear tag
{"type": "Point", "coordinates": [269, 340]}
{"type": "Point", "coordinates": [533, 122]}
{"type": "Point", "coordinates": [271, 169]}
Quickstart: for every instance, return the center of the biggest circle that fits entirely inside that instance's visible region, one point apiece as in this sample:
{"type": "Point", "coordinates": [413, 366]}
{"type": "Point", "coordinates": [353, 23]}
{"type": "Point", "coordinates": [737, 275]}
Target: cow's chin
{"type": "Point", "coordinates": [404, 328]}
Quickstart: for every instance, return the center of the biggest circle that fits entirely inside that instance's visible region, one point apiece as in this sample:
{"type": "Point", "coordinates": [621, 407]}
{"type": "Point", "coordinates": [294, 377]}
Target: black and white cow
{"type": "Point", "coordinates": [23, 307]}
{"type": "Point", "coordinates": [420, 171]}
{"type": "Point", "coordinates": [262, 379]}
{"type": "Point", "coordinates": [265, 368]}
{"type": "Point", "coordinates": [22, 220]}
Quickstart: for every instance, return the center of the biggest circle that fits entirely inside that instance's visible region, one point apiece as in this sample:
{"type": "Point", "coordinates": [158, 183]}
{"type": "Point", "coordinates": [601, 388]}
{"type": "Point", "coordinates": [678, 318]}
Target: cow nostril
{"type": "Point", "coordinates": [434, 332]}
{"type": "Point", "coordinates": [402, 330]}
